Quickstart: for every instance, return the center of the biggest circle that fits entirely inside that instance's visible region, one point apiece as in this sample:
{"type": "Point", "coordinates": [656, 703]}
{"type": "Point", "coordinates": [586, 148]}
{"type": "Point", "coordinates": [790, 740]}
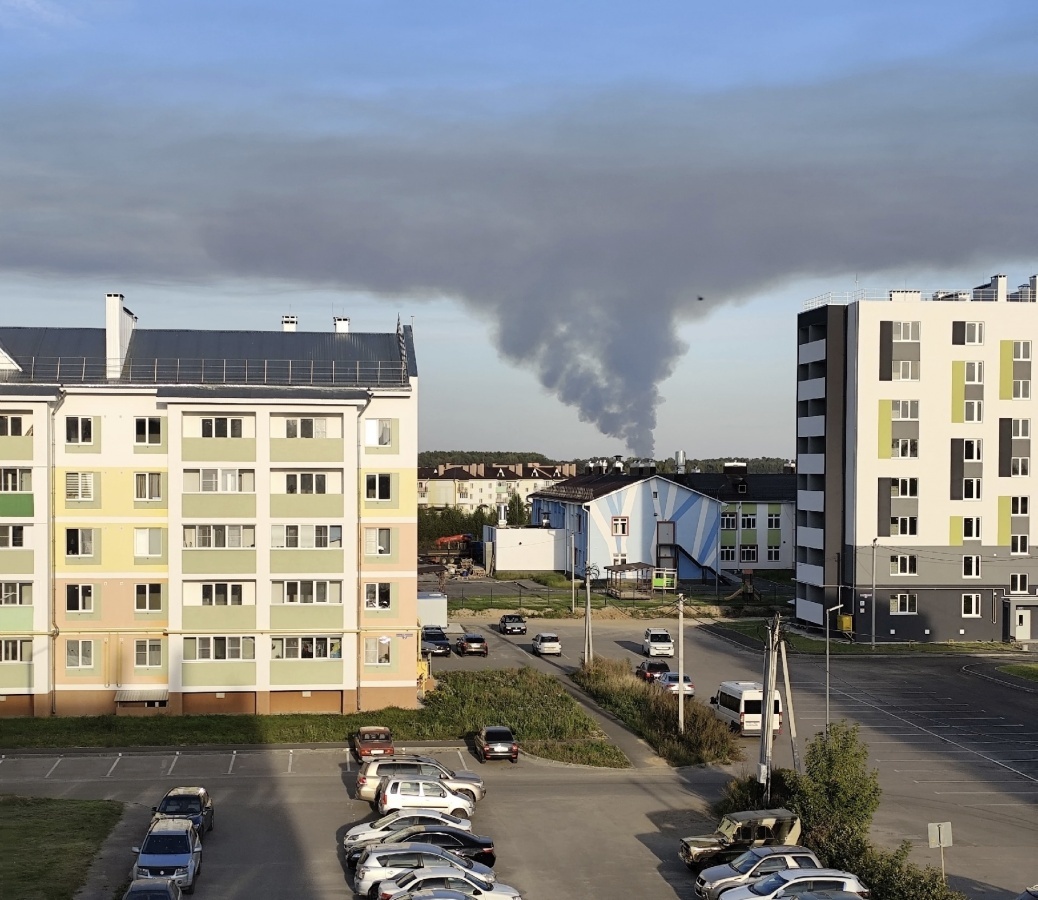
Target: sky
{"type": "Point", "coordinates": [545, 189]}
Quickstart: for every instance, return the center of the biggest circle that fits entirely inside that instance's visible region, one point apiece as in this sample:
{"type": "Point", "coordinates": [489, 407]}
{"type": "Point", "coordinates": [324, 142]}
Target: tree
{"type": "Point", "coordinates": [518, 514]}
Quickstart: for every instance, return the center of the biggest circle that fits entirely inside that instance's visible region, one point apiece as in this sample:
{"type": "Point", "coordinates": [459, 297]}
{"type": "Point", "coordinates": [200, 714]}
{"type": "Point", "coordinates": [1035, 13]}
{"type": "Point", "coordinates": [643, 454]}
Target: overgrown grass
{"type": "Point", "coordinates": [534, 704]}
{"type": "Point", "coordinates": [1024, 670]}
{"type": "Point", "coordinates": [46, 846]}
{"type": "Point", "coordinates": [653, 715]}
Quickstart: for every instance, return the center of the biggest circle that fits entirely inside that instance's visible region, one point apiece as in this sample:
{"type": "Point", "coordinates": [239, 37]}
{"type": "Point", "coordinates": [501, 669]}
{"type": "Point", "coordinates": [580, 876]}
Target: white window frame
{"type": "Point", "coordinates": [1021, 388]}
{"type": "Point", "coordinates": [14, 480]}
{"type": "Point", "coordinates": [378, 595]}
{"type": "Point", "coordinates": [972, 489]}
{"type": "Point", "coordinates": [619, 559]}
{"type": "Point", "coordinates": [748, 553]}
{"type": "Point", "coordinates": [1020, 467]}
{"type": "Point", "coordinates": [305, 537]}
{"type": "Point", "coordinates": [222, 593]}
{"type": "Point", "coordinates": [904, 487]}
{"type": "Point", "coordinates": [79, 654]}
{"type": "Point", "coordinates": [905, 332]}
{"type": "Point", "coordinates": [971, 566]}
{"type": "Point", "coordinates": [973, 450]}
{"type": "Point", "coordinates": [85, 542]}
{"type": "Point", "coordinates": [306, 483]}
{"type": "Point", "coordinates": [904, 410]}
{"type": "Point", "coordinates": [1021, 351]}
{"type": "Point", "coordinates": [307, 590]}
{"type": "Point", "coordinates": [148, 600]}
{"type": "Point", "coordinates": [1021, 428]}
{"type": "Point", "coordinates": [378, 432]}
{"type": "Point", "coordinates": [727, 554]}
{"type": "Point", "coordinates": [212, 480]}
{"type": "Point", "coordinates": [971, 528]}
{"type": "Point", "coordinates": [729, 521]}
{"type": "Point", "coordinates": [207, 648]}
{"type": "Point", "coordinates": [79, 486]}
{"type": "Point", "coordinates": [13, 426]}
{"type": "Point", "coordinates": [974, 333]}
{"type": "Point", "coordinates": [1018, 545]}
{"type": "Point", "coordinates": [378, 486]}
{"type": "Point", "coordinates": [904, 370]}
{"type": "Point", "coordinates": [150, 650]}
{"type": "Point", "coordinates": [973, 411]}
{"type": "Point", "coordinates": [904, 604]}
{"type": "Point", "coordinates": [903, 526]}
{"type": "Point", "coordinates": [79, 598]}
{"type": "Point", "coordinates": [227, 424]}
{"type": "Point", "coordinates": [774, 553]}
{"type": "Point", "coordinates": [378, 651]}
{"type": "Point", "coordinates": [1019, 506]}
{"type": "Point", "coordinates": [974, 372]}
{"type": "Point", "coordinates": [971, 606]}
{"type": "Point", "coordinates": [15, 593]}
{"type": "Point", "coordinates": [147, 485]}
{"type": "Point", "coordinates": [317, 426]}
{"type": "Point", "coordinates": [621, 526]}
{"type": "Point", "coordinates": [219, 537]}
{"type": "Point", "coordinates": [1018, 583]}
{"type": "Point", "coordinates": [747, 521]}
{"type": "Point", "coordinates": [774, 521]}
{"type": "Point", "coordinates": [904, 564]}
{"type": "Point", "coordinates": [79, 430]}
{"type": "Point", "coordinates": [147, 543]}
{"type": "Point", "coordinates": [306, 647]}
{"type": "Point", "coordinates": [12, 537]}
{"type": "Point", "coordinates": [15, 650]}
{"type": "Point", "coordinates": [904, 448]}
{"type": "Point", "coordinates": [378, 541]}
{"type": "Point", "coordinates": [147, 431]}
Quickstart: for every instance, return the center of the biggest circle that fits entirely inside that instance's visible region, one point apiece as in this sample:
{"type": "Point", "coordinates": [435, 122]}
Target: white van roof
{"type": "Point", "coordinates": [739, 687]}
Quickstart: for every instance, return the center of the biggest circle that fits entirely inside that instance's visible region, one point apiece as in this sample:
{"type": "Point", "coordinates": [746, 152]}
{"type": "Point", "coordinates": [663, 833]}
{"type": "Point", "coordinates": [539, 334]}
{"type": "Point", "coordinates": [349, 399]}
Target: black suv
{"type": "Point", "coordinates": [434, 641]}
{"type": "Point", "coordinates": [512, 624]}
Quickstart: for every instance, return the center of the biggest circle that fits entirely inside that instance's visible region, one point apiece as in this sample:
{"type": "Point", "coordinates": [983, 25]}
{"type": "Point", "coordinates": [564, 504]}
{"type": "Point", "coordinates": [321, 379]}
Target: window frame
{"type": "Point", "coordinates": [904, 565]}
{"type": "Point", "coordinates": [1018, 583]}
{"type": "Point", "coordinates": [973, 411]}
{"type": "Point", "coordinates": [211, 644]}
{"type": "Point", "coordinates": [316, 424]}
{"type": "Point", "coordinates": [147, 486]}
{"type": "Point", "coordinates": [375, 657]}
{"type": "Point", "coordinates": [729, 521]}
{"type": "Point", "coordinates": [977, 374]}
{"type": "Point", "coordinates": [14, 593]}
{"type": "Point", "coordinates": [1019, 467]}
{"type": "Point", "coordinates": [1021, 351]}
{"type": "Point", "coordinates": [84, 660]}
{"type": "Point", "coordinates": [18, 476]}
{"type": "Point", "coordinates": [382, 427]}
{"type": "Point", "coordinates": [214, 593]}
{"type": "Point", "coordinates": [727, 554]}
{"type": "Point", "coordinates": [8, 427]}
{"type": "Point", "coordinates": [747, 521]}
{"type": "Point", "coordinates": [907, 604]}
{"type": "Point", "coordinates": [76, 434]}
{"type": "Point", "coordinates": [150, 646]}
{"type": "Point", "coordinates": [1021, 428]}
{"type": "Point", "coordinates": [898, 409]}
{"type": "Point", "coordinates": [332, 591]}
{"type": "Point", "coordinates": [774, 521]}
{"type": "Point", "coordinates": [212, 536]}
{"type": "Point", "coordinates": [79, 599]}
{"type": "Point", "coordinates": [899, 368]}
{"type": "Point", "coordinates": [1021, 388]}
{"type": "Point", "coordinates": [972, 489]}
{"type": "Point", "coordinates": [148, 537]}
{"type": "Point", "coordinates": [974, 528]}
{"type": "Point", "coordinates": [774, 552]}
{"type": "Point", "coordinates": [79, 487]}
{"type": "Point", "coordinates": [973, 450]}
{"type": "Point", "coordinates": [152, 593]}
{"type": "Point", "coordinates": [228, 427]}
{"type": "Point", "coordinates": [80, 533]}
{"type": "Point", "coordinates": [1020, 505]}
{"type": "Point", "coordinates": [971, 566]}
{"type": "Point", "coordinates": [975, 601]}
{"type": "Point", "coordinates": [621, 526]}
{"type": "Point", "coordinates": [145, 428]}
{"type": "Point", "coordinates": [977, 337]}
{"type": "Point", "coordinates": [904, 448]}
{"type": "Point", "coordinates": [373, 595]}
{"type": "Point", "coordinates": [378, 487]}
{"type": "Point", "coordinates": [906, 526]}
{"type": "Point", "coordinates": [373, 538]}
{"type": "Point", "coordinates": [911, 485]}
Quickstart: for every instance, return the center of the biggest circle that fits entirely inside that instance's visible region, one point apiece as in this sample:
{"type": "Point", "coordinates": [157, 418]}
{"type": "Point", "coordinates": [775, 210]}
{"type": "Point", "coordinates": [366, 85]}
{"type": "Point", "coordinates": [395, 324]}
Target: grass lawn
{"type": "Point", "coordinates": [1024, 670]}
{"type": "Point", "coordinates": [46, 846]}
{"type": "Point", "coordinates": [547, 721]}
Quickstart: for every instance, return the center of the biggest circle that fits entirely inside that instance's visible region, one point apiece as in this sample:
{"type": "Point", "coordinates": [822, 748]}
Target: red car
{"type": "Point", "coordinates": [651, 669]}
{"type": "Point", "coordinates": [471, 645]}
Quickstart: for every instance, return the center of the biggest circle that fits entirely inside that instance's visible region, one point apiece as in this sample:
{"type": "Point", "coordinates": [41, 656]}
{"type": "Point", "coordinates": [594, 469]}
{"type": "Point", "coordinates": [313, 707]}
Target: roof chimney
{"type": "Point", "coordinates": [341, 324]}
{"type": "Point", "coordinates": [288, 323]}
{"type": "Point", "coordinates": [119, 323]}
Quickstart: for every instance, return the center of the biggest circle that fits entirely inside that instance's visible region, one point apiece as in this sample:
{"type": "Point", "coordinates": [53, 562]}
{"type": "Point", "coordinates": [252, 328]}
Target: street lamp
{"type": "Point", "coordinates": [831, 609]}
{"type": "Point", "coordinates": [590, 571]}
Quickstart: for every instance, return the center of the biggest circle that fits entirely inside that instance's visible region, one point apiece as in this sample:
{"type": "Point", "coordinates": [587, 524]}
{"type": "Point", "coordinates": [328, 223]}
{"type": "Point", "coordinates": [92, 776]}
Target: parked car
{"type": "Point", "coordinates": [372, 740]}
{"type": "Point", "coordinates": [171, 849]}
{"type": "Point", "coordinates": [152, 889]}
{"type": "Point", "coordinates": [398, 820]}
{"type": "Point", "coordinates": [510, 623]}
{"type": "Point", "coordinates": [192, 803]}
{"type": "Point", "coordinates": [547, 643]}
{"type": "Point", "coordinates": [798, 881]}
{"type": "Point", "coordinates": [469, 784]}
{"type": "Point", "coordinates": [472, 645]}
{"type": "Point", "coordinates": [671, 682]}
{"type": "Point", "coordinates": [1030, 893]}
{"type": "Point", "coordinates": [379, 862]}
{"type": "Point", "coordinates": [651, 669]}
{"type": "Point", "coordinates": [448, 879]}
{"type": "Point", "coordinates": [497, 742]}
{"type": "Point", "coordinates": [462, 843]}
{"type": "Point", "coordinates": [657, 642]}
{"type": "Point", "coordinates": [412, 791]}
{"type": "Point", "coordinates": [738, 832]}
{"type": "Point", "coordinates": [435, 642]}
{"type": "Point", "coordinates": [750, 866]}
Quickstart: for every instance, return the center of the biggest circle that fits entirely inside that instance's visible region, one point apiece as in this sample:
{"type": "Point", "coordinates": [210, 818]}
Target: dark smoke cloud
{"type": "Point", "coordinates": [584, 234]}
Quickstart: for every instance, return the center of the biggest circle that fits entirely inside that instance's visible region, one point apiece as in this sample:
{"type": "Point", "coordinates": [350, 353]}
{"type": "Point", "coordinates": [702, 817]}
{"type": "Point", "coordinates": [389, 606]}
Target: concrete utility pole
{"type": "Point", "coordinates": [767, 733]}
{"type": "Point", "coordinates": [798, 766]}
{"type": "Point", "coordinates": [573, 574]}
{"type": "Point", "coordinates": [590, 572]}
{"type": "Point", "coordinates": [681, 663]}
{"type": "Point", "coordinates": [829, 611]}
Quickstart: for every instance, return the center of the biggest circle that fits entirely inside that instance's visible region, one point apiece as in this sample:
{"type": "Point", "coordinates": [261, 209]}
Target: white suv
{"type": "Point", "coordinates": [379, 863]}
{"type": "Point", "coordinates": [421, 793]}
{"type": "Point", "coordinates": [657, 642]}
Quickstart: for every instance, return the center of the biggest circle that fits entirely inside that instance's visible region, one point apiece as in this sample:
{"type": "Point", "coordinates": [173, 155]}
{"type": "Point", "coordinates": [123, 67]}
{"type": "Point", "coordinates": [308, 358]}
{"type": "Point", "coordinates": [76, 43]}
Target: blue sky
{"type": "Point", "coordinates": [546, 188]}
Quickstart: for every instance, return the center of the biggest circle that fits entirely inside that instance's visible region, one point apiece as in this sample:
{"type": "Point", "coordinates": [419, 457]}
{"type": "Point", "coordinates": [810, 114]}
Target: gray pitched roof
{"type": "Point", "coordinates": [760, 488]}
{"type": "Point", "coordinates": [584, 488]}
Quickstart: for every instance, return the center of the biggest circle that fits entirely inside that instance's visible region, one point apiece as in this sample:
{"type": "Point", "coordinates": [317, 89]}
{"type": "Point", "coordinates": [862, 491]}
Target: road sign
{"type": "Point", "coordinates": [940, 834]}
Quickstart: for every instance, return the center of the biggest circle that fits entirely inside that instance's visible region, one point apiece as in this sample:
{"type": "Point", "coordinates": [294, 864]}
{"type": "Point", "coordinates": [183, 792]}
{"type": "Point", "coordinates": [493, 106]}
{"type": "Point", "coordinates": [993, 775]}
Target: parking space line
{"type": "Point", "coordinates": [462, 761]}
{"type": "Point", "coordinates": [169, 771]}
{"type": "Point", "coordinates": [1012, 793]}
{"type": "Point", "coordinates": [52, 768]}
{"type": "Point", "coordinates": [291, 756]}
{"type": "Point", "coordinates": [349, 761]}
{"type": "Point", "coordinates": [112, 769]}
{"type": "Point", "coordinates": [234, 756]}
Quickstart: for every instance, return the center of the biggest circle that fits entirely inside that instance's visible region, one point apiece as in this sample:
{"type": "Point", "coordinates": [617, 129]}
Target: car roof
{"type": "Point", "coordinates": [372, 729]}
{"type": "Point", "coordinates": [815, 873]}
{"type": "Point", "coordinates": [751, 815]}
{"type": "Point", "coordinates": [548, 634]}
{"type": "Point", "coordinates": [188, 791]}
{"type": "Point", "coordinates": [406, 847]}
{"type": "Point", "coordinates": [428, 779]}
{"type": "Point", "coordinates": [779, 848]}
{"type": "Point", "coordinates": [172, 823]}
{"type": "Point", "coordinates": [469, 635]}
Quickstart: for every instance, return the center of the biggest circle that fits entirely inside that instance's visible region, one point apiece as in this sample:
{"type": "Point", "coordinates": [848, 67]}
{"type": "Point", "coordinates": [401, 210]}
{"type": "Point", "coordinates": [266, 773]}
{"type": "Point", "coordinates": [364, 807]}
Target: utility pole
{"type": "Point", "coordinates": [681, 663]}
{"type": "Point", "coordinates": [798, 766]}
{"type": "Point", "coordinates": [767, 733]}
{"type": "Point", "coordinates": [590, 571]}
{"type": "Point", "coordinates": [573, 574]}
{"type": "Point", "coordinates": [828, 612]}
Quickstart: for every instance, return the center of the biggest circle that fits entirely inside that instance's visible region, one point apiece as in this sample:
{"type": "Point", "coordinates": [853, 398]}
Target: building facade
{"type": "Point", "coordinates": [488, 485]}
{"type": "Point", "coordinates": [913, 463]}
{"type": "Point", "coordinates": [206, 521]}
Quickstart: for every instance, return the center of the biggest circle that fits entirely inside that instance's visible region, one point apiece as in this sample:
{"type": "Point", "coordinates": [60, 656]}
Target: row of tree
{"type": "Point", "coordinates": [437, 523]}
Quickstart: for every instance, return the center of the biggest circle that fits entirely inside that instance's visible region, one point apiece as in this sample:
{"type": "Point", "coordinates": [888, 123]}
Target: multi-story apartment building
{"type": "Point", "coordinates": [206, 521]}
{"type": "Point", "coordinates": [471, 486]}
{"type": "Point", "coordinates": [914, 448]}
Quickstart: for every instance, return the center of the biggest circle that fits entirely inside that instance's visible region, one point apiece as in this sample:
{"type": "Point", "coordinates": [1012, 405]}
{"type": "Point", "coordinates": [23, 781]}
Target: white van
{"type": "Point", "coordinates": [740, 704]}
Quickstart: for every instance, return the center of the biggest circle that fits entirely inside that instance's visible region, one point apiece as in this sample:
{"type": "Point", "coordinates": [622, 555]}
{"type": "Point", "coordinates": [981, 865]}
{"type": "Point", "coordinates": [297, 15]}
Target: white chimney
{"type": "Point", "coordinates": [119, 324]}
{"type": "Point", "coordinates": [288, 323]}
{"type": "Point", "coordinates": [502, 515]}
{"type": "Point", "coordinates": [679, 462]}
{"type": "Point", "coordinates": [341, 324]}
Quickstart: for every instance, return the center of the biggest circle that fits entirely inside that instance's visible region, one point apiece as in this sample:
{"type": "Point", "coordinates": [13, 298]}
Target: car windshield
{"type": "Point", "coordinates": [769, 885]}
{"type": "Point", "coordinates": [166, 845]}
{"type": "Point", "coordinates": [405, 881]}
{"type": "Point", "coordinates": [659, 636]}
{"type": "Point", "coordinates": [177, 805]}
{"type": "Point", "coordinates": [474, 638]}
{"type": "Point", "coordinates": [743, 864]}
{"type": "Point", "coordinates": [499, 734]}
{"type": "Point", "coordinates": [549, 637]}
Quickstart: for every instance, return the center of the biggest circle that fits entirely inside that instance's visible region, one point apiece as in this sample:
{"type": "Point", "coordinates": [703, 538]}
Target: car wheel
{"type": "Point", "coordinates": [459, 814]}
{"type": "Point", "coordinates": [468, 794]}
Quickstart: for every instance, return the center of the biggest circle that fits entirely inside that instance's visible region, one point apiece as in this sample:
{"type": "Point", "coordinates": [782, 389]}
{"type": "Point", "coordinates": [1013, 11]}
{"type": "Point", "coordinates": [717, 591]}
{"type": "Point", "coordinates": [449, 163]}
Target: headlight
{"type": "Point", "coordinates": [181, 871]}
{"type": "Point", "coordinates": [142, 872]}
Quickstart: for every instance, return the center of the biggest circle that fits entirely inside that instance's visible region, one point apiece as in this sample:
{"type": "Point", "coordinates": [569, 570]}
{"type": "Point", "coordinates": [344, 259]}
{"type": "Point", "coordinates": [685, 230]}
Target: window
{"type": "Point", "coordinates": [748, 554]}
{"type": "Point", "coordinates": [1018, 583]}
{"type": "Point", "coordinates": [16, 480]}
{"type": "Point", "coordinates": [377, 487]}
{"type": "Point", "coordinates": [10, 426]}
{"type": "Point", "coordinates": [216, 648]}
{"type": "Point", "coordinates": [79, 598]}
{"type": "Point", "coordinates": [378, 432]}
{"type": "Point", "coordinates": [902, 525]}
{"type": "Point", "coordinates": [973, 411]}
{"type": "Point", "coordinates": [12, 536]}
{"type": "Point", "coordinates": [774, 553]}
{"type": "Point", "coordinates": [1018, 544]}
{"type": "Point", "coordinates": [727, 554]}
{"type": "Point", "coordinates": [147, 542]}
{"type": "Point", "coordinates": [621, 526]}
{"type": "Point", "coordinates": [971, 606]}
{"type": "Point", "coordinates": [1021, 428]}
{"type": "Point", "coordinates": [306, 483]}
{"type": "Point", "coordinates": [971, 488]}
{"type": "Point", "coordinates": [377, 651]}
{"type": "Point", "coordinates": [147, 486]}
{"type": "Point", "coordinates": [222, 593]}
{"type": "Point", "coordinates": [79, 541]}
{"type": "Point", "coordinates": [79, 430]}
{"type": "Point", "coordinates": [1020, 467]}
{"type": "Point", "coordinates": [79, 654]}
{"type": "Point", "coordinates": [971, 567]}
{"type": "Point", "coordinates": [904, 448]}
{"type": "Point", "coordinates": [219, 536]}
{"type": "Point", "coordinates": [148, 430]}
{"type": "Point", "coordinates": [306, 428]}
{"type": "Point", "coordinates": [306, 647]}
{"type": "Point", "coordinates": [224, 481]}
{"type": "Point", "coordinates": [906, 331]}
{"type": "Point", "coordinates": [971, 528]}
{"type": "Point", "coordinates": [904, 487]}
{"type": "Point", "coordinates": [377, 542]}
{"type": "Point", "coordinates": [774, 520]}
{"type": "Point", "coordinates": [974, 373]}
{"type": "Point", "coordinates": [728, 521]}
{"type": "Point", "coordinates": [903, 564]}
{"type": "Point", "coordinates": [619, 559]}
{"type": "Point", "coordinates": [1021, 351]}
{"type": "Point", "coordinates": [1022, 389]}
{"type": "Point", "coordinates": [79, 485]}
{"type": "Point", "coordinates": [377, 595]}
{"type": "Point", "coordinates": [148, 598]}
{"type": "Point", "coordinates": [748, 521]}
{"type": "Point", "coordinates": [972, 451]}
{"type": "Point", "coordinates": [1019, 506]}
{"type": "Point", "coordinates": [974, 332]}
{"type": "Point", "coordinates": [307, 592]}
{"type": "Point", "coordinates": [15, 650]}
{"type": "Point", "coordinates": [15, 593]}
{"type": "Point", "coordinates": [905, 410]}
{"type": "Point", "coordinates": [305, 537]}
{"type": "Point", "coordinates": [905, 370]}
{"type": "Point", "coordinates": [147, 654]}
{"type": "Point", "coordinates": [904, 604]}
{"type": "Point", "coordinates": [221, 427]}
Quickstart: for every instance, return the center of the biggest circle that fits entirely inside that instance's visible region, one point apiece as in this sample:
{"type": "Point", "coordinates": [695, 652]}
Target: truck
{"type": "Point", "coordinates": [738, 832]}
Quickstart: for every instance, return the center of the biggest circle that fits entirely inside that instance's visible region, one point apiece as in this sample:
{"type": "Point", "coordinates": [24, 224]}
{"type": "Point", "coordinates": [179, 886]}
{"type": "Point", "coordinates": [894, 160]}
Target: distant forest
{"type": "Point", "coordinates": [761, 465]}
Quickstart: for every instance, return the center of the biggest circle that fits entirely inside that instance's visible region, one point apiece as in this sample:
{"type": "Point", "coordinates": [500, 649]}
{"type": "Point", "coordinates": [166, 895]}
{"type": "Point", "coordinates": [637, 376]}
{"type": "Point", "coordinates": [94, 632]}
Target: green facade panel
{"type": "Point", "coordinates": [216, 675]}
{"type": "Point", "coordinates": [219, 506]}
{"type": "Point", "coordinates": [316, 617]}
{"type": "Point", "coordinates": [219, 619]}
{"type": "Point", "coordinates": [1005, 521]}
{"type": "Point", "coordinates": [774, 508]}
{"type": "Point", "coordinates": [326, 561]}
{"type": "Point", "coordinates": [16, 562]}
{"type": "Point", "coordinates": [749, 536]}
{"type": "Point", "coordinates": [218, 562]}
{"type": "Point", "coordinates": [16, 447]}
{"type": "Point", "coordinates": [955, 531]}
{"type": "Point", "coordinates": [884, 430]}
{"type": "Point", "coordinates": [218, 449]}
{"type": "Point", "coordinates": [307, 671]}
{"type": "Point", "coordinates": [306, 506]}
{"type": "Point", "coordinates": [15, 618]}
{"type": "Point", "coordinates": [304, 450]}
{"type": "Point", "coordinates": [727, 538]}
{"type": "Point", "coordinates": [958, 391]}
{"type": "Point", "coordinates": [16, 505]}
{"type": "Point", "coordinates": [1005, 370]}
{"type": "Point", "coordinates": [774, 536]}
{"type": "Point", "coordinates": [16, 676]}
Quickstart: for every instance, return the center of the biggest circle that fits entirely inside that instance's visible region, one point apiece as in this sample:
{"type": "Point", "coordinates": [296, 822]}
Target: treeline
{"type": "Point", "coordinates": [761, 465]}
{"type": "Point", "coordinates": [464, 457]}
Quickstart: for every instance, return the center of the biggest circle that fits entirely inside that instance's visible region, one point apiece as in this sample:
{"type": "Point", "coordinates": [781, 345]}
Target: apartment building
{"type": "Point", "coordinates": [206, 521]}
{"type": "Point", "coordinates": [473, 485]}
{"type": "Point", "coordinates": [914, 413]}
